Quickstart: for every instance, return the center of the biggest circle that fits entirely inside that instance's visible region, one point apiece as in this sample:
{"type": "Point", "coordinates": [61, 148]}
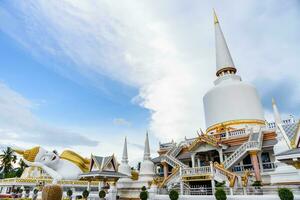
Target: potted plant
{"type": "Point", "coordinates": [173, 195]}
{"type": "Point", "coordinates": [144, 194]}
{"type": "Point", "coordinates": [220, 194]}
{"type": "Point", "coordinates": [69, 193]}
{"type": "Point", "coordinates": [285, 194]}
{"type": "Point", "coordinates": [102, 194]}
{"type": "Point", "coordinates": [85, 194]}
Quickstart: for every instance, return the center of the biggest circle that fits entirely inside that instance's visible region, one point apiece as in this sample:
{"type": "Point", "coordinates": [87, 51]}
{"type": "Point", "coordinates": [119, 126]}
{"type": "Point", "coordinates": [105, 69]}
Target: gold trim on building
{"type": "Point", "coordinates": [235, 122]}
{"type": "Point", "coordinates": [224, 69]}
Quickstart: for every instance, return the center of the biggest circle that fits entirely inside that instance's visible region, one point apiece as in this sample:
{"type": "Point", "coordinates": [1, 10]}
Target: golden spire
{"type": "Point", "coordinates": [216, 21]}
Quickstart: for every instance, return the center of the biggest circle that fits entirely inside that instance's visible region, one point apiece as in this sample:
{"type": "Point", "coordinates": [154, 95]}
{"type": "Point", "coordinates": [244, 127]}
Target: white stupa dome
{"type": "Point", "coordinates": [230, 100]}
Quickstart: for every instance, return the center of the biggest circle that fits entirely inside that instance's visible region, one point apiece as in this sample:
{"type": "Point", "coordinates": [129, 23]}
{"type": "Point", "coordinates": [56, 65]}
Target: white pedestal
{"type": "Point", "coordinates": [285, 174]}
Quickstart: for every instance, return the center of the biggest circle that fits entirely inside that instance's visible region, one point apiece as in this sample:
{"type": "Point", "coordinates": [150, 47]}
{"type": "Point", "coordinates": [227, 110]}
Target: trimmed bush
{"type": "Point", "coordinates": [69, 193]}
{"type": "Point", "coordinates": [220, 194]}
{"type": "Point", "coordinates": [144, 188]}
{"type": "Point", "coordinates": [220, 184]}
{"type": "Point", "coordinates": [85, 194]}
{"type": "Point", "coordinates": [173, 195]}
{"type": "Point", "coordinates": [144, 195]}
{"type": "Point", "coordinates": [102, 194]}
{"type": "Point", "coordinates": [257, 184]}
{"type": "Point", "coordinates": [285, 194]}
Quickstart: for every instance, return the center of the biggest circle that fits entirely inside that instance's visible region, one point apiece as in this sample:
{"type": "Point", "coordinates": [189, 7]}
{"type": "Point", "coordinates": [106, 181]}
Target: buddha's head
{"type": "Point", "coordinates": [39, 154]}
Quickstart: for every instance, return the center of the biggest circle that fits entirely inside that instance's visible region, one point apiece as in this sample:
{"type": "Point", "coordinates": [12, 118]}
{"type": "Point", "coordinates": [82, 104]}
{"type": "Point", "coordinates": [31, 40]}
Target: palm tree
{"type": "Point", "coordinates": [7, 159]}
{"type": "Point", "coordinates": [21, 168]}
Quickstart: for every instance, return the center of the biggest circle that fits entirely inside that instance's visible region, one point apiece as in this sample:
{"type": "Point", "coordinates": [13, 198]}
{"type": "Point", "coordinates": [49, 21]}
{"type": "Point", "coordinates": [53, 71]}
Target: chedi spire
{"type": "Point", "coordinates": [224, 62]}
{"type": "Point", "coordinates": [147, 148]}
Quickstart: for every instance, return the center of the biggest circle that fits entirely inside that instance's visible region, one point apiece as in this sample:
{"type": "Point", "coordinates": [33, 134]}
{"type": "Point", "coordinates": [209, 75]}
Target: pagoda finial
{"type": "Point", "coordinates": [276, 113]}
{"type": "Point", "coordinates": [147, 148]}
{"type": "Point", "coordinates": [224, 62]}
{"type": "Point", "coordinates": [215, 17]}
{"type": "Point", "coordinates": [125, 153]}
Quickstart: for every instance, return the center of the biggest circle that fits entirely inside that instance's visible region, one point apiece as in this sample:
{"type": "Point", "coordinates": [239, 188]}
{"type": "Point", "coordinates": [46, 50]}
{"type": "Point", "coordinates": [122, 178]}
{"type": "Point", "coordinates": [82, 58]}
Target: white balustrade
{"type": "Point", "coordinates": [235, 133]}
{"type": "Point", "coordinates": [196, 171]}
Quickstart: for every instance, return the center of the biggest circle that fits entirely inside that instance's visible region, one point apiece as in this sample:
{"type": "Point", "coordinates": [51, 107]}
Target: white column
{"type": "Point", "coordinates": [212, 177]}
{"type": "Point", "coordinates": [99, 186]}
{"type": "Point", "coordinates": [221, 154]}
{"type": "Point", "coordinates": [193, 159]}
{"type": "Point", "coordinates": [181, 182]}
{"type": "Point", "coordinates": [89, 186]}
{"type": "Point", "coordinates": [198, 162]}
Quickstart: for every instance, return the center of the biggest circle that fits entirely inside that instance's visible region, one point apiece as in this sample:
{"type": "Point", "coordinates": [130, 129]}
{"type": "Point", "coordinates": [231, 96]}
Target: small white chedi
{"type": "Point", "coordinates": [128, 188]}
{"type": "Point", "coordinates": [283, 173]}
{"type": "Point", "coordinates": [66, 166]}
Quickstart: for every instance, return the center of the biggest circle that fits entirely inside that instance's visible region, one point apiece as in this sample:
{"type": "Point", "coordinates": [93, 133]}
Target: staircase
{"type": "Point", "coordinates": [172, 178]}
{"type": "Point", "coordinates": [170, 157]}
{"type": "Point", "coordinates": [254, 143]}
{"type": "Point", "coordinates": [221, 174]}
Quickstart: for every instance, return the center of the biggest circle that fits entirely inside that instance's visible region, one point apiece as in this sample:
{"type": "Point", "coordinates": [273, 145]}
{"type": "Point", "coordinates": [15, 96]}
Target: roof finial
{"type": "Point", "coordinates": [147, 148]}
{"type": "Point", "coordinates": [125, 153]}
{"type": "Point", "coordinates": [215, 17]}
{"type": "Point", "coordinates": [277, 117]}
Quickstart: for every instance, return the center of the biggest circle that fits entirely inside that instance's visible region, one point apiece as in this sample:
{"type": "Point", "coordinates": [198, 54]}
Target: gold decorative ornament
{"type": "Point", "coordinates": [235, 122]}
{"type": "Point", "coordinates": [29, 154]}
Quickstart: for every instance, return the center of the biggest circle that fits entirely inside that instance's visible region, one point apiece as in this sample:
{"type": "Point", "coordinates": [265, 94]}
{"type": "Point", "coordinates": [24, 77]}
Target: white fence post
{"type": "Point", "coordinates": [212, 177]}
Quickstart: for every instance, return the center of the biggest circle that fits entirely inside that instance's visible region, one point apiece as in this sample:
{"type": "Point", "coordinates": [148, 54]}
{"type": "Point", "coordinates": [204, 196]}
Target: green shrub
{"type": "Point", "coordinates": [220, 194]}
{"type": "Point", "coordinates": [102, 194]}
{"type": "Point", "coordinates": [173, 195]}
{"type": "Point", "coordinates": [144, 188]}
{"type": "Point", "coordinates": [144, 195]}
{"type": "Point", "coordinates": [85, 194]}
{"type": "Point", "coordinates": [257, 184]}
{"type": "Point", "coordinates": [285, 194]}
{"type": "Point", "coordinates": [69, 193]}
{"type": "Point", "coordinates": [220, 184]}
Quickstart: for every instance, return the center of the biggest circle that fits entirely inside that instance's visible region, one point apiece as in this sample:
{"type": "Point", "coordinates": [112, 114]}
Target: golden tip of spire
{"type": "Point", "coordinates": [215, 17]}
{"type": "Point", "coordinates": [273, 101]}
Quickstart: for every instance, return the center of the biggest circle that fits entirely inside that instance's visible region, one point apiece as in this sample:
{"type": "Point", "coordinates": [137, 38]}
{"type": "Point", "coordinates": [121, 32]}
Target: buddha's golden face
{"type": "Point", "coordinates": [48, 158]}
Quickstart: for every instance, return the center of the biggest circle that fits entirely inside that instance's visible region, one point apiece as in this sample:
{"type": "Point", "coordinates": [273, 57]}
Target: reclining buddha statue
{"type": "Point", "coordinates": [68, 165]}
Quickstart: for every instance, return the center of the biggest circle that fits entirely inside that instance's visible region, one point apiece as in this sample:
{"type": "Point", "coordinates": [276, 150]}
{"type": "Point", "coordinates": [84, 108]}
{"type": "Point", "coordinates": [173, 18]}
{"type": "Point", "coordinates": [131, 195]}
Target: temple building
{"type": "Point", "coordinates": [238, 144]}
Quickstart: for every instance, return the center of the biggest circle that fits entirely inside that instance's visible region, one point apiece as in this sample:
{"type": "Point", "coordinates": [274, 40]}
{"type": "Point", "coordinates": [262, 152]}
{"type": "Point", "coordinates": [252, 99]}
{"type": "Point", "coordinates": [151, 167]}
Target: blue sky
{"type": "Point", "coordinates": [85, 74]}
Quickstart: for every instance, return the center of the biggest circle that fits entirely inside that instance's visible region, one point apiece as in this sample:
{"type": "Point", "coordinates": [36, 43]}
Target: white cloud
{"type": "Point", "coordinates": [165, 49]}
{"type": "Point", "coordinates": [19, 124]}
{"type": "Point", "coordinates": [121, 122]}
